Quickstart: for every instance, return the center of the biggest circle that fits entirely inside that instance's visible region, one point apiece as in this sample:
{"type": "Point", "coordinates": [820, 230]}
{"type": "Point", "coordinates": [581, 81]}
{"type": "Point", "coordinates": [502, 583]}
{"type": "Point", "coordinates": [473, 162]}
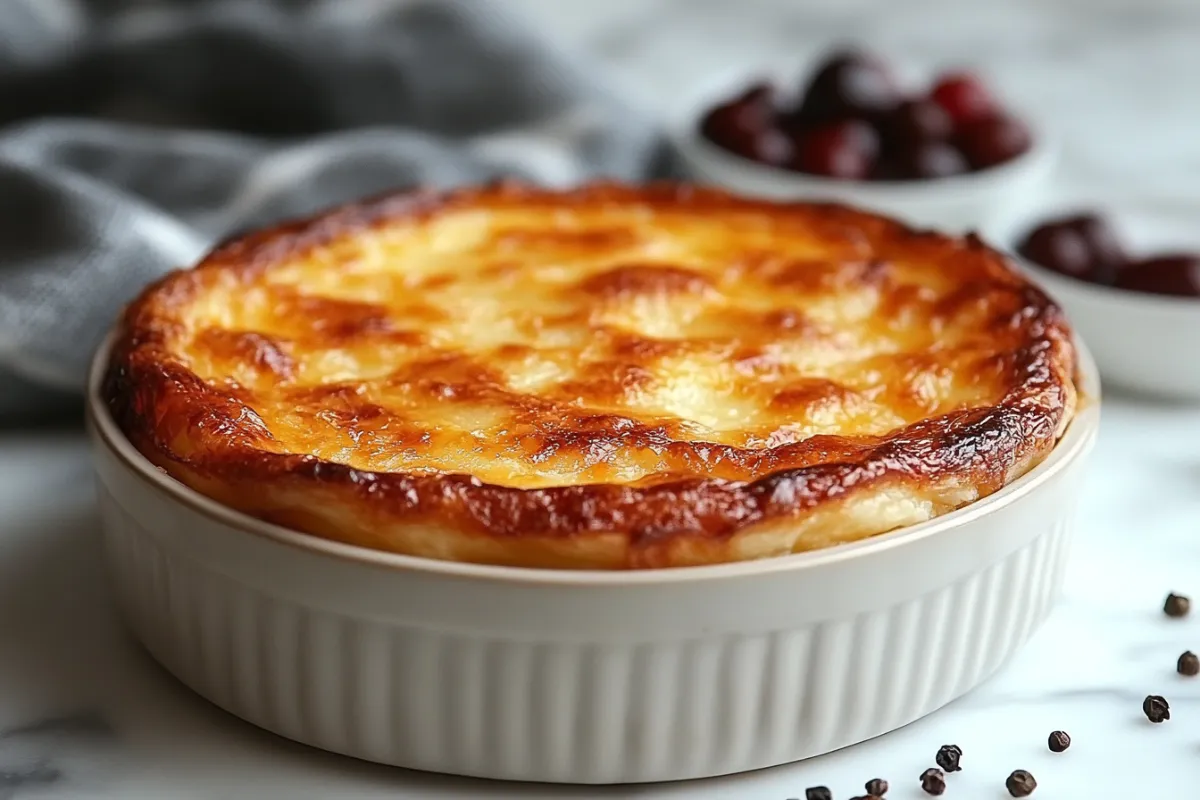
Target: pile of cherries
{"type": "Point", "coordinates": [853, 122]}
{"type": "Point", "coordinates": [1085, 246]}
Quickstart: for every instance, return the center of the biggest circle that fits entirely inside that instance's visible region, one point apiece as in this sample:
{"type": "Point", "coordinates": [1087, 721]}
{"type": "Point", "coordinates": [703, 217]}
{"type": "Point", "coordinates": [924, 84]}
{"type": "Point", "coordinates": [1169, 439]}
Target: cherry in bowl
{"type": "Point", "coordinates": [849, 84]}
{"type": "Point", "coordinates": [1082, 246]}
{"type": "Point", "coordinates": [746, 125]}
{"type": "Point", "coordinates": [1087, 247]}
{"type": "Point", "coordinates": [852, 120]}
{"type": "Point", "coordinates": [1172, 274]}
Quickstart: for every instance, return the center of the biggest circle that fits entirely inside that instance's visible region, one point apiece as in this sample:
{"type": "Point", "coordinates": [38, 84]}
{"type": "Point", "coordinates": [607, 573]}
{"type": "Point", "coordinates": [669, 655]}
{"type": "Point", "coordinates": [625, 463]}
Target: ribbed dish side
{"type": "Point", "coordinates": [569, 712]}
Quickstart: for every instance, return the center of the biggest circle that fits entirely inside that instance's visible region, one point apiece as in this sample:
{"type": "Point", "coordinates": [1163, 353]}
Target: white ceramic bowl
{"type": "Point", "coordinates": [957, 204]}
{"type": "Point", "coordinates": [580, 677]}
{"type": "Point", "coordinates": [1143, 343]}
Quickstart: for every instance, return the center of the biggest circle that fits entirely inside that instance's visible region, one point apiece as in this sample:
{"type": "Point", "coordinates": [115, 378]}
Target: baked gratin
{"type": "Point", "coordinates": [606, 378]}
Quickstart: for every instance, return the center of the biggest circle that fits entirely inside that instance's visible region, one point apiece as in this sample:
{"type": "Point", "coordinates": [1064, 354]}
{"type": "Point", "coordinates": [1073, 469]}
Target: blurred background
{"type": "Point", "coordinates": [1112, 77]}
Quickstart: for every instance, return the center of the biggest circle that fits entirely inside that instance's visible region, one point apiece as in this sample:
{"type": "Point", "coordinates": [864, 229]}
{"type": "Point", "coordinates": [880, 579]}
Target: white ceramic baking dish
{"type": "Point", "coordinates": [581, 677]}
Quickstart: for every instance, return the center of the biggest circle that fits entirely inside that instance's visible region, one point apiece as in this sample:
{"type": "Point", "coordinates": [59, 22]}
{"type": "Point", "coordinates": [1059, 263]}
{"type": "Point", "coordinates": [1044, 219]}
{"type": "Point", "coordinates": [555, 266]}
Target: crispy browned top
{"type": "Point", "coordinates": [645, 362]}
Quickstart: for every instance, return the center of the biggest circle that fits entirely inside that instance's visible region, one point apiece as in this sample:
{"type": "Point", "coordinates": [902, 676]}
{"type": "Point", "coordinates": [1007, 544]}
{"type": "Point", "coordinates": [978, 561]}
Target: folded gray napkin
{"type": "Point", "coordinates": [136, 134]}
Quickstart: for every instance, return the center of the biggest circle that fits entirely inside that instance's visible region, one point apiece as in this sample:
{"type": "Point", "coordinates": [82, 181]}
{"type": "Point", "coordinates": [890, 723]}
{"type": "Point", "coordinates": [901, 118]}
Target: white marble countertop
{"type": "Point", "coordinates": [85, 714]}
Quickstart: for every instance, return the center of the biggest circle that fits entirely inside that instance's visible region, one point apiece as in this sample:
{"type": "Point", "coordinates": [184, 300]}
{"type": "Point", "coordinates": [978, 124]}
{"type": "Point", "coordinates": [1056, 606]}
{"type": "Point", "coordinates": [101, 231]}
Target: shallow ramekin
{"type": "Point", "coordinates": [1143, 343]}
{"type": "Point", "coordinates": [580, 677]}
{"type": "Point", "coordinates": [957, 204]}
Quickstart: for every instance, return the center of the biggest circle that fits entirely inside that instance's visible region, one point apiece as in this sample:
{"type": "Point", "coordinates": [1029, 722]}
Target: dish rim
{"type": "Point", "coordinates": [1073, 443]}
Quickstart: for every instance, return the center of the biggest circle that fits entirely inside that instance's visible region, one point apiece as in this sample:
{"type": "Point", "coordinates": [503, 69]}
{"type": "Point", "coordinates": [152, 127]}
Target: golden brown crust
{"type": "Point", "coordinates": [609, 377]}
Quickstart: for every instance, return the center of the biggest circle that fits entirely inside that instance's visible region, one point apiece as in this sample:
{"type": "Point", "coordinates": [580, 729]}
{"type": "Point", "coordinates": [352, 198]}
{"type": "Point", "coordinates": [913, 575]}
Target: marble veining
{"type": "Point", "coordinates": [84, 713]}
{"type": "Point", "coordinates": [53, 753]}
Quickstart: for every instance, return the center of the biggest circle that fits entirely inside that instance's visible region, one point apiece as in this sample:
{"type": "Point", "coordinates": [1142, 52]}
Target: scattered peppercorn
{"type": "Point", "coordinates": [1020, 783]}
{"type": "Point", "coordinates": [1189, 664]}
{"type": "Point", "coordinates": [1059, 741]}
{"type": "Point", "coordinates": [867, 797]}
{"type": "Point", "coordinates": [933, 781]}
{"type": "Point", "coordinates": [1156, 708]}
{"type": "Point", "coordinates": [1177, 605]}
{"type": "Point", "coordinates": [818, 793]}
{"type": "Point", "coordinates": [948, 757]}
{"type": "Point", "coordinates": [877, 787]}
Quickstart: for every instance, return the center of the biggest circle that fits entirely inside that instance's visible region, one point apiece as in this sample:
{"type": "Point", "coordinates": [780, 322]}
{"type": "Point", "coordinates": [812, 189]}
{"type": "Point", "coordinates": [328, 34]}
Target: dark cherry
{"type": "Point", "coordinates": [767, 146]}
{"type": "Point", "coordinates": [964, 97]}
{"type": "Point", "coordinates": [771, 146]}
{"type": "Point", "coordinates": [760, 94]}
{"type": "Point", "coordinates": [887, 168]}
{"type": "Point", "coordinates": [729, 123]}
{"type": "Point", "coordinates": [1058, 247]}
{"type": "Point", "coordinates": [848, 84]}
{"type": "Point", "coordinates": [1082, 246]}
{"type": "Point", "coordinates": [1108, 254]}
{"type": "Point", "coordinates": [1175, 274]}
{"type": "Point", "coordinates": [930, 159]}
{"type": "Point", "coordinates": [845, 149]}
{"type": "Point", "coordinates": [993, 140]}
{"type": "Point", "coordinates": [916, 121]}
{"type": "Point", "coordinates": [743, 116]}
{"type": "Point", "coordinates": [864, 135]}
{"type": "Point", "coordinates": [746, 126]}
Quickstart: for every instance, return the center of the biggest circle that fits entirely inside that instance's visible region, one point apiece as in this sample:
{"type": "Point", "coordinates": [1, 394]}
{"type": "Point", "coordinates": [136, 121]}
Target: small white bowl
{"type": "Point", "coordinates": [958, 204]}
{"type": "Point", "coordinates": [1143, 343]}
{"type": "Point", "coordinates": [581, 677]}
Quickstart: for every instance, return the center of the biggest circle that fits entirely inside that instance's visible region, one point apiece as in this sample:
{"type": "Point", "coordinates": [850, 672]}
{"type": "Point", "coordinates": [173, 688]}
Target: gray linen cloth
{"type": "Point", "coordinates": [133, 135]}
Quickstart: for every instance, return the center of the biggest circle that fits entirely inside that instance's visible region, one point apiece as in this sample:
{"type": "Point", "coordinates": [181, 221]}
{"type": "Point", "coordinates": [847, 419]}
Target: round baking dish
{"type": "Point", "coordinates": [581, 677]}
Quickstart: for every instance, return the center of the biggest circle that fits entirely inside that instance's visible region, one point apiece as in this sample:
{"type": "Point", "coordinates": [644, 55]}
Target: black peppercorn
{"type": "Point", "coordinates": [933, 781]}
{"type": "Point", "coordinates": [948, 757]}
{"type": "Point", "coordinates": [877, 787]}
{"type": "Point", "coordinates": [1177, 605]}
{"type": "Point", "coordinates": [1188, 664]}
{"type": "Point", "coordinates": [1156, 708]}
{"type": "Point", "coordinates": [1059, 741]}
{"type": "Point", "coordinates": [818, 793]}
{"type": "Point", "coordinates": [1020, 783]}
